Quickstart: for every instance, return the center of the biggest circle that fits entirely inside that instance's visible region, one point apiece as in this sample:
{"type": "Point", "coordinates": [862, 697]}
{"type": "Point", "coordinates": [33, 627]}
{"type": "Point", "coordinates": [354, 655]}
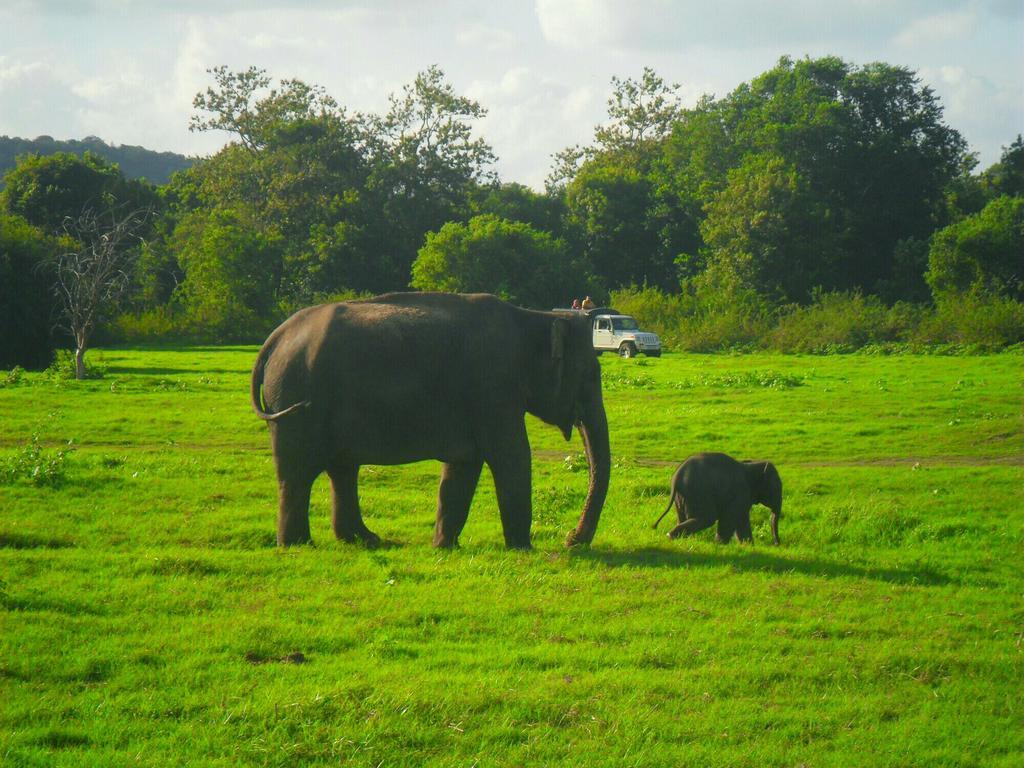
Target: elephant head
{"type": "Point", "coordinates": [766, 488]}
{"type": "Point", "coordinates": [571, 396]}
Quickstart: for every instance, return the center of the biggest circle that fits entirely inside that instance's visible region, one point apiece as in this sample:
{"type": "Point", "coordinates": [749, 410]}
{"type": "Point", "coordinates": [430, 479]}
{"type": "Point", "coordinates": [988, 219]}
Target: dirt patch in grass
{"type": "Point", "coordinates": [1011, 460]}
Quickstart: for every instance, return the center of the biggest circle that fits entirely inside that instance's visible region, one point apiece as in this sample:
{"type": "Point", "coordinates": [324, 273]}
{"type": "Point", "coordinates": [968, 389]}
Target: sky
{"type": "Point", "coordinates": [127, 70]}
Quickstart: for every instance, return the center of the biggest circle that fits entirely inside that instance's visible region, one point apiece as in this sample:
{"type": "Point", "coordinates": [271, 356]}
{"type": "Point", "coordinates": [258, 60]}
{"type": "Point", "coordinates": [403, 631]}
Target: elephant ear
{"type": "Point", "coordinates": [559, 332]}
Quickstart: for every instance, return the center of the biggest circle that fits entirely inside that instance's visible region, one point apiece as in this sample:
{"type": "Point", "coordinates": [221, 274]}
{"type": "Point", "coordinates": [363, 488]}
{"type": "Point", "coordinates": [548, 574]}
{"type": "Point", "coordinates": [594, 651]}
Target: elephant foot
{"type": "Point", "coordinates": [366, 537]}
{"type": "Point", "coordinates": [446, 542]}
{"type": "Point", "coordinates": [579, 538]}
{"type": "Point", "coordinates": [294, 541]}
{"type": "Point", "coordinates": [370, 540]}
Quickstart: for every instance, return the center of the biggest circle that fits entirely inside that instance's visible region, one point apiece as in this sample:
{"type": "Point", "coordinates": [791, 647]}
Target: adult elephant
{"type": "Point", "coordinates": [412, 376]}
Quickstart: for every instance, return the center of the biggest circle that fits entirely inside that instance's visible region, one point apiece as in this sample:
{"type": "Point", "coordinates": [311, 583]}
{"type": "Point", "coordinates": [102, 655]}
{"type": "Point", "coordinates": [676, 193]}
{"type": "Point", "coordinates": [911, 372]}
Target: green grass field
{"type": "Point", "coordinates": [146, 616]}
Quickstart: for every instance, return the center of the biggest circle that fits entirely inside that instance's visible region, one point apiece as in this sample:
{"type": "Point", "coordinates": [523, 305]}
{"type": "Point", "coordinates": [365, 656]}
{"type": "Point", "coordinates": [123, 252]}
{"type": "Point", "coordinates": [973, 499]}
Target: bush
{"type": "Point", "coordinates": [167, 324]}
{"type": "Point", "coordinates": [700, 319]}
{"type": "Point", "coordinates": [37, 465]}
{"type": "Point", "coordinates": [842, 322]}
{"type": "Point", "coordinates": [155, 325]}
{"type": "Point", "coordinates": [662, 313]}
{"type": "Point", "coordinates": [11, 378]}
{"type": "Point", "coordinates": [987, 323]}
{"type": "Point", "coordinates": [63, 366]}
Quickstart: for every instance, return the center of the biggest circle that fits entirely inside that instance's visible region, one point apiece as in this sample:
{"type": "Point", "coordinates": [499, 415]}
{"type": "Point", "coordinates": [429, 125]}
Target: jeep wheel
{"type": "Point", "coordinates": [627, 350]}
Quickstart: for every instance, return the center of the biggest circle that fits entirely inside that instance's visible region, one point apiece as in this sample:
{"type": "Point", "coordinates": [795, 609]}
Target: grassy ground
{"type": "Point", "coordinates": [147, 618]}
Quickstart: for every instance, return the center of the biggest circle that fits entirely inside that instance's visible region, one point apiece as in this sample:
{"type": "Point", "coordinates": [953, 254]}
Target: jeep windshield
{"type": "Point", "coordinates": [624, 324]}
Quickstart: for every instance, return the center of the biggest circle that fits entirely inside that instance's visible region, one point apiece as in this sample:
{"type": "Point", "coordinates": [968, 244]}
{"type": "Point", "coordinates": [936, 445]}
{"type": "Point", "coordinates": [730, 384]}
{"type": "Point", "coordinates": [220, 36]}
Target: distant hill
{"type": "Point", "coordinates": [135, 162]}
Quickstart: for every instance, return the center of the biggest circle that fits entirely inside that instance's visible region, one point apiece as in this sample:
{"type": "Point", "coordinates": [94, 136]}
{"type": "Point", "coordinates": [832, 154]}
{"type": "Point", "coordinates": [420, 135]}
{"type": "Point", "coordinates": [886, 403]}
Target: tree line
{"type": "Point", "coordinates": [817, 179]}
{"type": "Point", "coordinates": [135, 162]}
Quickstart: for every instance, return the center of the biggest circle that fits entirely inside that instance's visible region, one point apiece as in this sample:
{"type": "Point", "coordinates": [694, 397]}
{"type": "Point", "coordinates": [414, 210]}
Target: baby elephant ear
{"type": "Point", "coordinates": [559, 332]}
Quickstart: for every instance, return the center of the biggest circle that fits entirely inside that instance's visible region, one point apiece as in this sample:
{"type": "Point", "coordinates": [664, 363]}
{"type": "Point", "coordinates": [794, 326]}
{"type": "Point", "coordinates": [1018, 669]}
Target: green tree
{"type": "Point", "coordinates": [617, 213]}
{"type": "Point", "coordinates": [427, 166]}
{"type": "Point", "coordinates": [1006, 177]}
{"type": "Point", "coordinates": [510, 259]}
{"type": "Point", "coordinates": [868, 144]}
{"type": "Point", "coordinates": [608, 219]}
{"type": "Point", "coordinates": [299, 166]}
{"type": "Point", "coordinates": [347, 198]}
{"type": "Point", "coordinates": [983, 253]}
{"type": "Point", "coordinates": [229, 266]}
{"type": "Point", "coordinates": [26, 296]}
{"type": "Point", "coordinates": [49, 190]}
{"type": "Point", "coordinates": [641, 114]}
{"type": "Point", "coordinates": [516, 202]}
{"type": "Point", "coordinates": [767, 231]}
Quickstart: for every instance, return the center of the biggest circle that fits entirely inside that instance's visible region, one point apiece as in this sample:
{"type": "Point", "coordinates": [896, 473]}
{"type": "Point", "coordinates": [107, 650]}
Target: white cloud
{"type": "Point", "coordinates": [938, 28]}
{"type": "Point", "coordinates": [265, 41]}
{"type": "Point", "coordinates": [666, 24]}
{"type": "Point", "coordinates": [989, 115]}
{"type": "Point", "coordinates": [577, 23]}
{"type": "Point", "coordinates": [486, 38]}
{"type": "Point", "coordinates": [541, 68]}
{"type": "Point", "coordinates": [530, 117]}
{"type": "Point", "coordinates": [35, 100]}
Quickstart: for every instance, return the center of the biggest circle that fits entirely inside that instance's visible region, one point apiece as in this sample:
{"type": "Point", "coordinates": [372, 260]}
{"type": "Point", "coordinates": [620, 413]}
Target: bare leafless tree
{"type": "Point", "coordinates": [94, 271]}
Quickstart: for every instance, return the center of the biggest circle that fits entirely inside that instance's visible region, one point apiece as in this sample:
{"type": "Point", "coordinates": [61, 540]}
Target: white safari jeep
{"type": "Point", "coordinates": [615, 332]}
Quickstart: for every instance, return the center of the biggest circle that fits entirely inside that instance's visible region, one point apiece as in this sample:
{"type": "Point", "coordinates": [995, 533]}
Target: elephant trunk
{"type": "Point", "coordinates": [594, 431]}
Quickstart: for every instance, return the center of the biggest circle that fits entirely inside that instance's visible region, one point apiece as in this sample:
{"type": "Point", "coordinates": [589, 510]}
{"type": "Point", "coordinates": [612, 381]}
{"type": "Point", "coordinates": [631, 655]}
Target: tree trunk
{"type": "Point", "coordinates": [79, 361]}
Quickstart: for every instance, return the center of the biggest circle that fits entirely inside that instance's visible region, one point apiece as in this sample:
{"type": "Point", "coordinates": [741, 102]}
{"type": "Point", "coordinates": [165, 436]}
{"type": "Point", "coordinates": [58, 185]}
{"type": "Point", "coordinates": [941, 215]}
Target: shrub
{"type": "Point", "coordinates": [842, 322]}
{"type": "Point", "coordinates": [984, 322]}
{"type": "Point", "coordinates": [63, 366]}
{"type": "Point", "coordinates": [168, 324]}
{"type": "Point", "coordinates": [155, 325]}
{"type": "Point", "coordinates": [11, 378]}
{"type": "Point", "coordinates": [700, 319]}
{"type": "Point", "coordinates": [37, 465]}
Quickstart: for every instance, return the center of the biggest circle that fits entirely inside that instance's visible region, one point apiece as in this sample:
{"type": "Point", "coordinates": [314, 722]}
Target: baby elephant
{"type": "Point", "coordinates": [712, 486]}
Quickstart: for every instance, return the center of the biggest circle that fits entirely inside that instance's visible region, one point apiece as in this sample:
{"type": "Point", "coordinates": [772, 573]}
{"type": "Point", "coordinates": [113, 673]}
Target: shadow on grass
{"type": "Point", "coordinates": [753, 561]}
{"type": "Point", "coordinates": [38, 604]}
{"type": "Point", "coordinates": [12, 540]}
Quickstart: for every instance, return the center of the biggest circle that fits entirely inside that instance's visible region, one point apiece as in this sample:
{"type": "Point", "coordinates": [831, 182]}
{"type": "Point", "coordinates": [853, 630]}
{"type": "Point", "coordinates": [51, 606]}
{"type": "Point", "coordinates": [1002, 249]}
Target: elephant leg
{"type": "Point", "coordinates": [298, 465]}
{"type": "Point", "coordinates": [691, 526]}
{"type": "Point", "coordinates": [346, 519]}
{"type": "Point", "coordinates": [743, 530]}
{"type": "Point", "coordinates": [458, 483]}
{"type": "Point", "coordinates": [510, 465]}
{"type": "Point", "coordinates": [726, 529]}
{"type": "Point", "coordinates": [293, 509]}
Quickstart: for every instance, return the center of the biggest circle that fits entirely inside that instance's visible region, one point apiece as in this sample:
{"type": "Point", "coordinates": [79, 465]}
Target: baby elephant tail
{"type": "Point", "coordinates": [671, 498]}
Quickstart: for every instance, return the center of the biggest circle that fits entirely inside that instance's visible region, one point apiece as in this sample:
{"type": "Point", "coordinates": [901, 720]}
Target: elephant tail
{"type": "Point", "coordinates": [256, 391]}
{"type": "Point", "coordinates": [671, 498]}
